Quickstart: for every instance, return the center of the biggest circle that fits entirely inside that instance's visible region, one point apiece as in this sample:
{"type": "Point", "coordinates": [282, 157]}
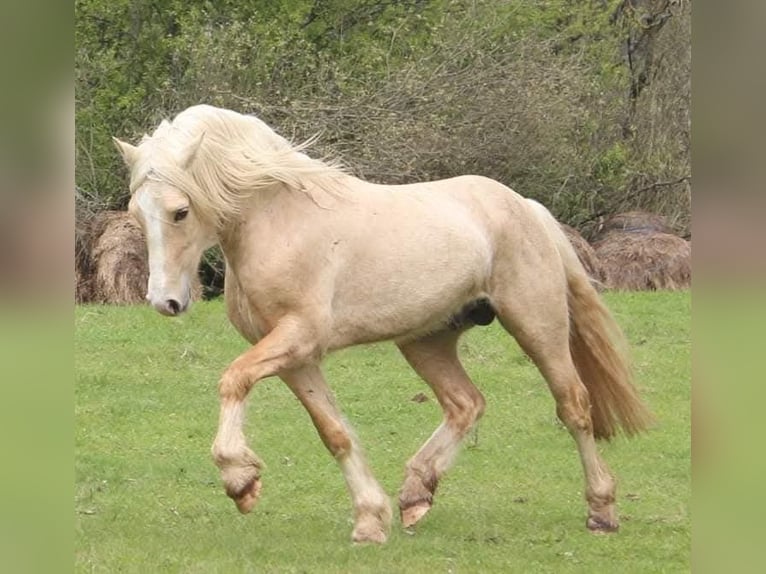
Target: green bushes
{"type": "Point", "coordinates": [537, 95]}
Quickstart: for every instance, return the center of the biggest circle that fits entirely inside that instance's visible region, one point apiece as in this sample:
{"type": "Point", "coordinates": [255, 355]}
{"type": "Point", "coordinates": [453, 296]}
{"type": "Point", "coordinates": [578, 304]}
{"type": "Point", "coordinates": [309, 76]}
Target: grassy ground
{"type": "Point", "coordinates": [148, 498]}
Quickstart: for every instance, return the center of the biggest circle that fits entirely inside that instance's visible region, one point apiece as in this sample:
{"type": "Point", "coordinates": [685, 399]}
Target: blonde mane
{"type": "Point", "coordinates": [219, 158]}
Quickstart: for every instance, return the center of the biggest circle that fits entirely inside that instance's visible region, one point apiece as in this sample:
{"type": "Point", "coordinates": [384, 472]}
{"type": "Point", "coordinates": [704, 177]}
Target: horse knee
{"type": "Point", "coordinates": [233, 384]}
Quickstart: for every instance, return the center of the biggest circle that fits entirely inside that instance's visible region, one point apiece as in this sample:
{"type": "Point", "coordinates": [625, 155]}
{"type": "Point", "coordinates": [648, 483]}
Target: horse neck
{"type": "Point", "coordinates": [264, 200]}
{"type": "Point", "coordinates": [320, 197]}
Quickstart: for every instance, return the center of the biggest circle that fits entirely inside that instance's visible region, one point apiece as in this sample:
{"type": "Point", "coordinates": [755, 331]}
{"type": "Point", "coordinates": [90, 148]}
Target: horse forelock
{"type": "Point", "coordinates": [154, 159]}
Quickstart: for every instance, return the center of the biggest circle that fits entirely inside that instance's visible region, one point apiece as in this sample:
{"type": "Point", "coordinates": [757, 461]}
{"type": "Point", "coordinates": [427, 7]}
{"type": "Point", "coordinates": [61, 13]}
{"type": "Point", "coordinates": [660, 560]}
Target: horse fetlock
{"type": "Point", "coordinates": [418, 485]}
{"type": "Point", "coordinates": [230, 456]}
{"type": "Point", "coordinates": [415, 499]}
{"type": "Point", "coordinates": [602, 515]}
{"type": "Point", "coordinates": [373, 502]}
{"type": "Point", "coordinates": [409, 497]}
{"type": "Point", "coordinates": [236, 478]}
{"type": "Point", "coordinates": [600, 494]}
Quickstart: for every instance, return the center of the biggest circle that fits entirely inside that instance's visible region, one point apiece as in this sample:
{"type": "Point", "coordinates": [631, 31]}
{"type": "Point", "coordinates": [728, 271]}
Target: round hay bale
{"type": "Point", "coordinates": [120, 269]}
{"type": "Point", "coordinates": [81, 287]}
{"type": "Point", "coordinates": [82, 264]}
{"type": "Point", "coordinates": [645, 261]}
{"type": "Point", "coordinates": [87, 207]}
{"type": "Point", "coordinates": [586, 254]}
{"type": "Point", "coordinates": [634, 222]}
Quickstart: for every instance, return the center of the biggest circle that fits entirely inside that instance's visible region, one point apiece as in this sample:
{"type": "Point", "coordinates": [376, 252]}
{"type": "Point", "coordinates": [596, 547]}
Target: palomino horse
{"type": "Point", "coordinates": [318, 260]}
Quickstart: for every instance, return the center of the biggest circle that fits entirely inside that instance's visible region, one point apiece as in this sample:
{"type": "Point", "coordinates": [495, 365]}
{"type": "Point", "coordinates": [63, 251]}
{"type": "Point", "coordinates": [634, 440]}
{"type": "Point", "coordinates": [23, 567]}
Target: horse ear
{"type": "Point", "coordinates": [128, 152]}
{"type": "Point", "coordinates": [190, 151]}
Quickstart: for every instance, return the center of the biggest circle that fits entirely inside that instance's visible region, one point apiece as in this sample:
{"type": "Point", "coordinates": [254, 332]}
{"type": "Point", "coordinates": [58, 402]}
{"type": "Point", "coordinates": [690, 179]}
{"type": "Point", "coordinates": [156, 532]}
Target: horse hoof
{"type": "Point", "coordinates": [413, 514]}
{"type": "Point", "coordinates": [248, 496]}
{"type": "Point", "coordinates": [599, 525]}
{"type": "Point", "coordinates": [369, 534]}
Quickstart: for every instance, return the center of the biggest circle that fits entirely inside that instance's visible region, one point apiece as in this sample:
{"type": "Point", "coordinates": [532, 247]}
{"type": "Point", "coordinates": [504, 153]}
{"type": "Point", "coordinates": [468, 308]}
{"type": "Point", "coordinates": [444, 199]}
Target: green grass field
{"type": "Point", "coordinates": [148, 498]}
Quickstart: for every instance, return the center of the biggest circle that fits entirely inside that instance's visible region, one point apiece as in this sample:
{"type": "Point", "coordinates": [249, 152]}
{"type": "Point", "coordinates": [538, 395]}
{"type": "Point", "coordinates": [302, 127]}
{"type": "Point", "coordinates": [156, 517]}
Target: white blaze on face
{"type": "Point", "coordinates": [153, 222]}
{"type": "Point", "coordinates": [174, 247]}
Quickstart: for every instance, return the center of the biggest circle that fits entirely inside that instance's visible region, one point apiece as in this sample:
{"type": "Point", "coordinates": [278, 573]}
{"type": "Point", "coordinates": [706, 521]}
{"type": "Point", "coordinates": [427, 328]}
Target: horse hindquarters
{"type": "Point", "coordinates": [598, 348]}
{"type": "Point", "coordinates": [534, 298]}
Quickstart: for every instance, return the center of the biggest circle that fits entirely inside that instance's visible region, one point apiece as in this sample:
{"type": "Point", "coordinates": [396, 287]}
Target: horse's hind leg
{"type": "Point", "coordinates": [372, 509]}
{"type": "Point", "coordinates": [435, 359]}
{"type": "Point", "coordinates": [538, 319]}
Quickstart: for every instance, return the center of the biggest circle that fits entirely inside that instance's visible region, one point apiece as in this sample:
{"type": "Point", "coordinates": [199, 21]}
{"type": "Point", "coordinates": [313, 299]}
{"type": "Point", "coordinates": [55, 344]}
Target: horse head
{"type": "Point", "coordinates": [176, 234]}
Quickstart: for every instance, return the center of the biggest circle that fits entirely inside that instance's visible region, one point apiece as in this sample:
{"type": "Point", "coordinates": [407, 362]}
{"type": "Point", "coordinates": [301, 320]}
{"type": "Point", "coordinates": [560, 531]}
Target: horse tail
{"type": "Point", "coordinates": [598, 347]}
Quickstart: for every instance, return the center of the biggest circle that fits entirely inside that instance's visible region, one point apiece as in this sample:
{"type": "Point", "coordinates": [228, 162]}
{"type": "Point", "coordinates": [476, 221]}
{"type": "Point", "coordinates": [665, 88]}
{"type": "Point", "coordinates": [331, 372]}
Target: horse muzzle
{"type": "Point", "coordinates": [170, 307]}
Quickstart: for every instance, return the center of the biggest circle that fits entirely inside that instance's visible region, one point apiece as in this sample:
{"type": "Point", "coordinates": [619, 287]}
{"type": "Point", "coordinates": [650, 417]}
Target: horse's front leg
{"type": "Point", "coordinates": [372, 509]}
{"type": "Point", "coordinates": [288, 346]}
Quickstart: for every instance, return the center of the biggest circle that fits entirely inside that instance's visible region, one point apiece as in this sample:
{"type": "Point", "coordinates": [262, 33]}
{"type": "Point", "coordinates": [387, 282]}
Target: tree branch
{"type": "Point", "coordinates": [633, 194]}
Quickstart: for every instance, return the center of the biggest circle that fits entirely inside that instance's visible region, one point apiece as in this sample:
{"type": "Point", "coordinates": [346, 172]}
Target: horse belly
{"type": "Point", "coordinates": [409, 291]}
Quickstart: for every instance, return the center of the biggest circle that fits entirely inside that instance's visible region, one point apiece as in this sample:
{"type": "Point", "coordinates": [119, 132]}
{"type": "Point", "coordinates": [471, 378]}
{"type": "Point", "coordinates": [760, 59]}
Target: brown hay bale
{"type": "Point", "coordinates": [81, 286]}
{"type": "Point", "coordinates": [586, 254]}
{"type": "Point", "coordinates": [645, 261]}
{"type": "Point", "coordinates": [635, 222]}
{"type": "Point", "coordinates": [87, 208]}
{"type": "Point", "coordinates": [119, 265]}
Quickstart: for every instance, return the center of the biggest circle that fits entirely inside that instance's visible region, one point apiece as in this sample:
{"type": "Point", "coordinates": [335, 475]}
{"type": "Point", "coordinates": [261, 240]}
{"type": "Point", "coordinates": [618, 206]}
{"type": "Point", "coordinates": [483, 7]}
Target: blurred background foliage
{"type": "Point", "coordinates": [584, 106]}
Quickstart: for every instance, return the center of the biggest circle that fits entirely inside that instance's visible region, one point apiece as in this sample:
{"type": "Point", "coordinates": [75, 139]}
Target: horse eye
{"type": "Point", "coordinates": [181, 214]}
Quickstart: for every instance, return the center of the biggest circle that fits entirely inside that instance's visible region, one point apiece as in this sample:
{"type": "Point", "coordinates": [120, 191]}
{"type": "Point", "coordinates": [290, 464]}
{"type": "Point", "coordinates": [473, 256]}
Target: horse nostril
{"type": "Point", "coordinates": [174, 306]}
